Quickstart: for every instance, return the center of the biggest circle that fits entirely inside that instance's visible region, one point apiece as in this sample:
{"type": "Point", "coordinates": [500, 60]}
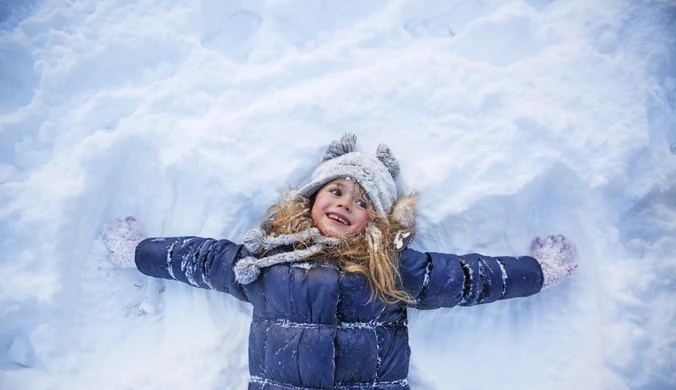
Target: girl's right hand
{"type": "Point", "coordinates": [121, 238]}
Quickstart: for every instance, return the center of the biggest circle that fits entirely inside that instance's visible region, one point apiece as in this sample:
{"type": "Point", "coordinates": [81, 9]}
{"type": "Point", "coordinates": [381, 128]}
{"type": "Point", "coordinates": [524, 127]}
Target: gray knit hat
{"type": "Point", "coordinates": [375, 174]}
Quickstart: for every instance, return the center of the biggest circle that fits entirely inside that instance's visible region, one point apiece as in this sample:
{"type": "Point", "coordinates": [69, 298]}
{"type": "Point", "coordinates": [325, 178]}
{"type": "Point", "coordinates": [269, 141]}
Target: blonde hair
{"type": "Point", "coordinates": [370, 252]}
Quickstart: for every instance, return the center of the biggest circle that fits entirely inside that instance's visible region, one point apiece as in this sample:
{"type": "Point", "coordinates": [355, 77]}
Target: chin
{"type": "Point", "coordinates": [333, 231]}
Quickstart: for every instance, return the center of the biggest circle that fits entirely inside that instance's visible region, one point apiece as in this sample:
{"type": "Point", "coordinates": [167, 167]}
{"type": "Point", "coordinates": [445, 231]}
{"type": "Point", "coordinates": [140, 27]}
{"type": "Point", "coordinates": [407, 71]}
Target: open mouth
{"type": "Point", "coordinates": [338, 219]}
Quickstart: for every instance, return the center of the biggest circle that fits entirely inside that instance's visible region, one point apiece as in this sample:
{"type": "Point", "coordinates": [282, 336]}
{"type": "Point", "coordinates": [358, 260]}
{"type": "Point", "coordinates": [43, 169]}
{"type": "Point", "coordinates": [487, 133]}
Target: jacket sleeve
{"type": "Point", "coordinates": [199, 262]}
{"type": "Point", "coordinates": [445, 280]}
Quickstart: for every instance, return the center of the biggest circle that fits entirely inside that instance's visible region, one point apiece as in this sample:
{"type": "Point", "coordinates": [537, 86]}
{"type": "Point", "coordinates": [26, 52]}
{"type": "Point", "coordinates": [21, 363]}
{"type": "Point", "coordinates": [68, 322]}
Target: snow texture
{"type": "Point", "coordinates": [509, 118]}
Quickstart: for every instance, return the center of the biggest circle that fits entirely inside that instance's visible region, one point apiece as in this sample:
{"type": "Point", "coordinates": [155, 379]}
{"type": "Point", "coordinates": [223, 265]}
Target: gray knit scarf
{"type": "Point", "coordinates": [256, 242]}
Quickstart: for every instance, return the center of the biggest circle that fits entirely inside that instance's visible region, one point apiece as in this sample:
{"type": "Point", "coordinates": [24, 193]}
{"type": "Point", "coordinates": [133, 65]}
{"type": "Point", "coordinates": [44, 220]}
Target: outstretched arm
{"type": "Point", "coordinates": [200, 262]}
{"type": "Point", "coordinates": [445, 280]}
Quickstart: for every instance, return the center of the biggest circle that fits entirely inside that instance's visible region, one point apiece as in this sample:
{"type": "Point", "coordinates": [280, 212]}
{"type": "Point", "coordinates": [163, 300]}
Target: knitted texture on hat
{"type": "Point", "coordinates": [375, 174]}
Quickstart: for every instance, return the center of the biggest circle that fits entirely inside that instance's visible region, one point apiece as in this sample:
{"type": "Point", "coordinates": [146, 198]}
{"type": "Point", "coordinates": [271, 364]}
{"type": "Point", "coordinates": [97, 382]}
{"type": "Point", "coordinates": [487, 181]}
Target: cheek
{"type": "Point", "coordinates": [316, 211]}
{"type": "Point", "coordinates": [361, 220]}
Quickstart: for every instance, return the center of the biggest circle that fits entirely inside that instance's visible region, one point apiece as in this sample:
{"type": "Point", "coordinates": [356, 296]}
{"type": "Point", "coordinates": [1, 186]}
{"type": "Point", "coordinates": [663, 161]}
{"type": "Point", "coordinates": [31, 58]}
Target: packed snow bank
{"type": "Point", "coordinates": [510, 118]}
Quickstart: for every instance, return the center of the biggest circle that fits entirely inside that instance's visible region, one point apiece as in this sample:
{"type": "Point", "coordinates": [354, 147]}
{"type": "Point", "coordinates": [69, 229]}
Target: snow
{"type": "Point", "coordinates": [510, 118]}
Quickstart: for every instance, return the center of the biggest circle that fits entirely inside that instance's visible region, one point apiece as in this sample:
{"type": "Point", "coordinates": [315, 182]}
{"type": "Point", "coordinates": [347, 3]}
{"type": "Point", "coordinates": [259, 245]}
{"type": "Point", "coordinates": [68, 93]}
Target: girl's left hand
{"type": "Point", "coordinates": [555, 256]}
{"type": "Point", "coordinates": [121, 238]}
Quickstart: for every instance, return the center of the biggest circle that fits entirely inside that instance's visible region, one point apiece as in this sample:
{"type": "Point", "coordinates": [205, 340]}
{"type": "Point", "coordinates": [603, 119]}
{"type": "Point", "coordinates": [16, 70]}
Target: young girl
{"type": "Point", "coordinates": [330, 275]}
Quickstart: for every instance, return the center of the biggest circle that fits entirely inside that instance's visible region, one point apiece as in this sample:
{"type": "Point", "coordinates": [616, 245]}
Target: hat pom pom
{"type": "Point", "coordinates": [254, 241]}
{"type": "Point", "coordinates": [389, 161]}
{"type": "Point", "coordinates": [246, 270]}
{"type": "Point", "coordinates": [347, 144]}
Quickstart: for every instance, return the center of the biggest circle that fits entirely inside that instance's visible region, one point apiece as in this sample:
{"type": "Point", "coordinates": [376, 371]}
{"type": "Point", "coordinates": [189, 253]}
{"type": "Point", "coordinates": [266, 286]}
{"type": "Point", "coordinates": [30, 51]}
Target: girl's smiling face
{"type": "Point", "coordinates": [340, 208]}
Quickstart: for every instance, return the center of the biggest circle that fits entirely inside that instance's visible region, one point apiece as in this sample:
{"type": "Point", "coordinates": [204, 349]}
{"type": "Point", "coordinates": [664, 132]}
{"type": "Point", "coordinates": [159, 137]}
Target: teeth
{"type": "Point", "coordinates": [337, 218]}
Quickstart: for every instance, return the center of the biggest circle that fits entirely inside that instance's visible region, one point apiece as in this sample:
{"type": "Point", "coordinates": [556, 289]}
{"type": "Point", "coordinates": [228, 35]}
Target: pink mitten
{"type": "Point", "coordinates": [121, 238]}
{"type": "Point", "coordinates": [555, 256]}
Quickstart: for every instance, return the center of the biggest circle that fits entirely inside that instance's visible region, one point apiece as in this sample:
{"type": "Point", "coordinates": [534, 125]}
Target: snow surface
{"type": "Point", "coordinates": [510, 118]}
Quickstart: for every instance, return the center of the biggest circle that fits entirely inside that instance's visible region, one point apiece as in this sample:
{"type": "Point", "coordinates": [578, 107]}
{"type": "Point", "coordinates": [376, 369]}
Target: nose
{"type": "Point", "coordinates": [346, 205]}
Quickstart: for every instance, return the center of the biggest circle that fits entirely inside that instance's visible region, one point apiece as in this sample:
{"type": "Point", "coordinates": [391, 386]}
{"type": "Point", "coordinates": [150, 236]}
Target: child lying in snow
{"type": "Point", "coordinates": [330, 275]}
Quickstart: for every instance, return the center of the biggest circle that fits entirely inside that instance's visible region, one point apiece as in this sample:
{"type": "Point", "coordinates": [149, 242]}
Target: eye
{"type": "Point", "coordinates": [362, 204]}
{"type": "Point", "coordinates": [336, 191]}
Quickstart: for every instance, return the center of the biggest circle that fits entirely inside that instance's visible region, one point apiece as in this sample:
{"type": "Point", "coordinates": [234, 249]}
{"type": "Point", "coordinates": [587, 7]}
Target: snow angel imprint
{"type": "Point", "coordinates": [330, 275]}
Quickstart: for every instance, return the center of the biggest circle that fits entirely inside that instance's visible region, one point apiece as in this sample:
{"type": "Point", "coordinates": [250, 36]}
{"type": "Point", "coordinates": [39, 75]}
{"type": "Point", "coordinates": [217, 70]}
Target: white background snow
{"type": "Point", "coordinates": [510, 118]}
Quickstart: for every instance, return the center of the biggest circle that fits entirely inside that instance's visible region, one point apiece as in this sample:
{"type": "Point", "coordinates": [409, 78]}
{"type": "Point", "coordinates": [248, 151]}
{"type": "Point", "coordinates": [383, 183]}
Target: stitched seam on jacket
{"type": "Point", "coordinates": [398, 382]}
{"type": "Point", "coordinates": [300, 376]}
{"type": "Point", "coordinates": [426, 279]}
{"type": "Point", "coordinates": [335, 332]}
{"type": "Point", "coordinates": [482, 280]}
{"type": "Point", "coordinates": [308, 265]}
{"type": "Point", "coordinates": [265, 339]}
{"type": "Point", "coordinates": [188, 267]}
{"type": "Point", "coordinates": [343, 325]}
{"type": "Point", "coordinates": [206, 265]}
{"type": "Point", "coordinates": [170, 255]}
{"type": "Point", "coordinates": [504, 277]}
{"type": "Point", "coordinates": [467, 285]}
{"type": "Point", "coordinates": [378, 360]}
{"type": "Point", "coordinates": [365, 385]}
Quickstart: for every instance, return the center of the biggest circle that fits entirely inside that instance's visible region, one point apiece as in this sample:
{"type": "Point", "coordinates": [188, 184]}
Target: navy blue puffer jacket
{"type": "Point", "coordinates": [313, 326]}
